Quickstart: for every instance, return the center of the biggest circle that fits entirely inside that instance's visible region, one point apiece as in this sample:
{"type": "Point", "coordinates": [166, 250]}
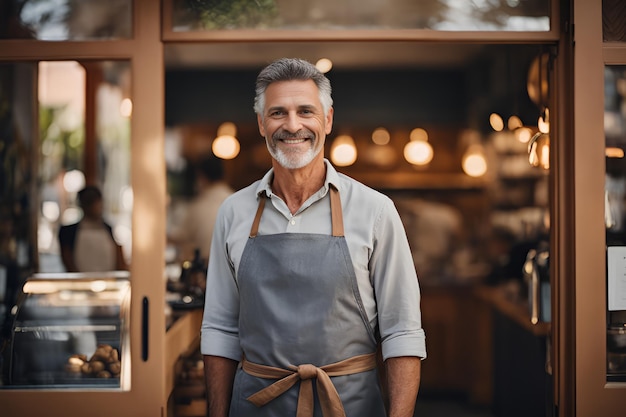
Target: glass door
{"type": "Point", "coordinates": [109, 134]}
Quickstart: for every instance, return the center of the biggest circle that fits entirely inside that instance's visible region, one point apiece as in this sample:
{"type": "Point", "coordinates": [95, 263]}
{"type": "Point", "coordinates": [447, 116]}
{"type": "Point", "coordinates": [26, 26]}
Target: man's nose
{"type": "Point", "coordinates": [292, 123]}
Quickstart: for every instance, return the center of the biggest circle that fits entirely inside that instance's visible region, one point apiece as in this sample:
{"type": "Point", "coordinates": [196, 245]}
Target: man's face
{"type": "Point", "coordinates": [294, 124]}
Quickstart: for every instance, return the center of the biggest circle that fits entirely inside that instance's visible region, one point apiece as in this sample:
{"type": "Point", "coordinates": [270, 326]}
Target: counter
{"type": "Point", "coordinates": [520, 356]}
{"type": "Point", "coordinates": [181, 340]}
{"type": "Point", "coordinates": [516, 310]}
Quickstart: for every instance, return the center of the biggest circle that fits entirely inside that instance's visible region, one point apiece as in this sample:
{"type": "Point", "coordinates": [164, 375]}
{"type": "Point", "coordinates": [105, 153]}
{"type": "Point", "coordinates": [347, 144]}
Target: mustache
{"type": "Point", "coordinates": [300, 134]}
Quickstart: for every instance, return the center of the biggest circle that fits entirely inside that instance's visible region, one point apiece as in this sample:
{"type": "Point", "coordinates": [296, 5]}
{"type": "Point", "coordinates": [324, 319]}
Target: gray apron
{"type": "Point", "coordinates": [300, 304]}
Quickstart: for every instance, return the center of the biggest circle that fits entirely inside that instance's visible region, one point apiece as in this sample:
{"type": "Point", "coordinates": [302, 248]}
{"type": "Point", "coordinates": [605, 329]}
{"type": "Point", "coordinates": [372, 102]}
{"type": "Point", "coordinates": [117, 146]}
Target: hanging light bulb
{"type": "Point", "coordinates": [418, 151]}
{"type": "Point", "coordinates": [324, 65]}
{"type": "Point", "coordinates": [226, 145]}
{"type": "Point", "coordinates": [343, 151]}
{"type": "Point", "coordinates": [381, 136]}
{"type": "Point", "coordinates": [543, 123]}
{"type": "Point", "coordinates": [474, 162]}
{"type": "Point", "coordinates": [496, 122]}
{"type": "Point", "coordinates": [539, 150]}
{"type": "Point", "coordinates": [227, 128]}
{"type": "Point", "coordinates": [523, 134]}
{"type": "Point", "coordinates": [514, 122]}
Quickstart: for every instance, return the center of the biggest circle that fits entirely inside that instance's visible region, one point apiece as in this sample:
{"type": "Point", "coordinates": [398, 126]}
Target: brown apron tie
{"type": "Point", "coordinates": [329, 398]}
{"type": "Point", "coordinates": [257, 217]}
{"type": "Point", "coordinates": [336, 213]}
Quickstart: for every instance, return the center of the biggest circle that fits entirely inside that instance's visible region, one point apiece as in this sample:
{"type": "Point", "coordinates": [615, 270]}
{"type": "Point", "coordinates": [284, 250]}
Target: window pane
{"type": "Point", "coordinates": [615, 218]}
{"type": "Point", "coordinates": [64, 125]}
{"type": "Point", "coordinates": [445, 15]}
{"type": "Point", "coordinates": [84, 116]}
{"type": "Point", "coordinates": [59, 20]}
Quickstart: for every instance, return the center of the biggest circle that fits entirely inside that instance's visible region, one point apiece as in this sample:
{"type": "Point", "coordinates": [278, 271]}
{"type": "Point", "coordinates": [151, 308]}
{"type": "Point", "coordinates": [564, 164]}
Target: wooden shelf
{"type": "Point", "coordinates": [403, 180]}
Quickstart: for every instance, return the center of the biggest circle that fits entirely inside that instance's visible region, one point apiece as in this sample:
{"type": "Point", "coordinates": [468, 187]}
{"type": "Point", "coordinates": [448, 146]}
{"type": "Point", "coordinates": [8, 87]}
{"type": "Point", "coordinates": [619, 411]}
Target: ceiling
{"type": "Point", "coordinates": [345, 55]}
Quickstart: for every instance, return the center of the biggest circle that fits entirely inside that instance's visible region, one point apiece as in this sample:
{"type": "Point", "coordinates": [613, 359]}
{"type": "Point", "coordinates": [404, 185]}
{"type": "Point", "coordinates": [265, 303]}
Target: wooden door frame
{"type": "Point", "coordinates": [585, 179]}
{"type": "Point", "coordinates": [147, 396]}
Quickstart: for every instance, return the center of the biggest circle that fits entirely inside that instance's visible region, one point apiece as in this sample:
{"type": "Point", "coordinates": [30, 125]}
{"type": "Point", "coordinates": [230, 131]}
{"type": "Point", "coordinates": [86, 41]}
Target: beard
{"type": "Point", "coordinates": [293, 158]}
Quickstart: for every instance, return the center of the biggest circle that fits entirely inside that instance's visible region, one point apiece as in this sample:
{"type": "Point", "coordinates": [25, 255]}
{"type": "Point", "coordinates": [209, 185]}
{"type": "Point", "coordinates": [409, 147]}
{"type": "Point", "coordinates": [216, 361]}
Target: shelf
{"type": "Point", "coordinates": [399, 180]}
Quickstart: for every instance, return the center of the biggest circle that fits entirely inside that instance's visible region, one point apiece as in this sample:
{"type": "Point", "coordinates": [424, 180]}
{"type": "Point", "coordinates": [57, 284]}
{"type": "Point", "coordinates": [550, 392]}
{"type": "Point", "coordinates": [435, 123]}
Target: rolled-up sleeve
{"type": "Point", "coordinates": [396, 287]}
{"type": "Point", "coordinates": [220, 329]}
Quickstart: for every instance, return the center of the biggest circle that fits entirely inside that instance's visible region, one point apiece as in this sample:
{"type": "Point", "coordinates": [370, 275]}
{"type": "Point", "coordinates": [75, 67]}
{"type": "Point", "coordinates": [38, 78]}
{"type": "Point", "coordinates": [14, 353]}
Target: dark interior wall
{"type": "Point", "coordinates": [406, 98]}
{"type": "Point", "coordinates": [201, 96]}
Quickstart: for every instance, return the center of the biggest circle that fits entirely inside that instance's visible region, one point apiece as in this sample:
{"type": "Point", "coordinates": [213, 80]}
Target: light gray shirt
{"type": "Point", "coordinates": [378, 247]}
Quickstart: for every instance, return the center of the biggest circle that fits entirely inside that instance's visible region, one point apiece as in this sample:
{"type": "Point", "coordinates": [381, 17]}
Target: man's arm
{"type": "Point", "coordinates": [219, 374]}
{"type": "Point", "coordinates": [403, 381]}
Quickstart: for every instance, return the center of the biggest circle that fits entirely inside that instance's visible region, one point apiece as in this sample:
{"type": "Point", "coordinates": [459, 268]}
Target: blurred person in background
{"type": "Point", "coordinates": [89, 245]}
{"type": "Point", "coordinates": [196, 228]}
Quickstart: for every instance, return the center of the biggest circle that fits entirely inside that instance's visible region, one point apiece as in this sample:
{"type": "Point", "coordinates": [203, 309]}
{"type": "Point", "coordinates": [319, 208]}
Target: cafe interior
{"type": "Point", "coordinates": [457, 133]}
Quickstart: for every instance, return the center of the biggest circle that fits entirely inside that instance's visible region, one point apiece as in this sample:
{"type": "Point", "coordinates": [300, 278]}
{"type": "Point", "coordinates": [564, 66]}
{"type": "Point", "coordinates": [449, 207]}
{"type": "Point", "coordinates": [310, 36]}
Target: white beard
{"type": "Point", "coordinates": [292, 160]}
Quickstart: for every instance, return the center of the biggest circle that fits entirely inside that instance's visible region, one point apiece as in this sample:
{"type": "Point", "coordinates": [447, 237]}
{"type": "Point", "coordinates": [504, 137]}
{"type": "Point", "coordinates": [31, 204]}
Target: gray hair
{"type": "Point", "coordinates": [287, 69]}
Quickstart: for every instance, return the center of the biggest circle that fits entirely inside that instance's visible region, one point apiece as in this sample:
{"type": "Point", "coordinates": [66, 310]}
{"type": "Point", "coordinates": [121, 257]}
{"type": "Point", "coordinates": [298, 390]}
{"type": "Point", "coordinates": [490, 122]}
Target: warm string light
{"type": "Point", "coordinates": [496, 122]}
{"type": "Point", "coordinates": [543, 123]}
{"type": "Point", "coordinates": [474, 162]}
{"type": "Point", "coordinates": [343, 151]}
{"type": "Point", "coordinates": [418, 151]}
{"type": "Point", "coordinates": [226, 145]}
{"type": "Point", "coordinates": [381, 136]}
{"type": "Point", "coordinates": [538, 144]}
{"type": "Point", "coordinates": [324, 65]}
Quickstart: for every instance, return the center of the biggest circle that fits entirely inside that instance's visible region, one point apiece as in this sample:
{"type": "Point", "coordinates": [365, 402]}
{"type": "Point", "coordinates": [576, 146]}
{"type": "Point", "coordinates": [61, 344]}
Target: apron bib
{"type": "Point", "coordinates": [300, 304]}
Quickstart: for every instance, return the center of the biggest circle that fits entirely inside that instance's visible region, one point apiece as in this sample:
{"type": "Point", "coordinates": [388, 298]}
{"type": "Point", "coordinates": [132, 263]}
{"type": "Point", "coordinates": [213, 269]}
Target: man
{"type": "Point", "coordinates": [292, 296]}
{"type": "Point", "coordinates": [89, 246]}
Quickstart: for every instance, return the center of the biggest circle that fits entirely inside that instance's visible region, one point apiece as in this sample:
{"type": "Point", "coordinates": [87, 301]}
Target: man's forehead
{"type": "Point", "coordinates": [292, 87]}
{"type": "Point", "coordinates": [298, 92]}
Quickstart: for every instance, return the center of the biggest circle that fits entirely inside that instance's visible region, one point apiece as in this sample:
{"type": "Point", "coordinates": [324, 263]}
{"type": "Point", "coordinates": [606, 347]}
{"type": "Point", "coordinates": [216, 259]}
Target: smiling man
{"type": "Point", "coordinates": [310, 274]}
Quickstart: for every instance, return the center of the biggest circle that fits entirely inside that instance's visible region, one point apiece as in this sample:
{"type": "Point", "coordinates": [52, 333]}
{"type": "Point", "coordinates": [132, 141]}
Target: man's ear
{"type": "Point", "coordinates": [259, 120]}
{"type": "Point", "coordinates": [329, 120]}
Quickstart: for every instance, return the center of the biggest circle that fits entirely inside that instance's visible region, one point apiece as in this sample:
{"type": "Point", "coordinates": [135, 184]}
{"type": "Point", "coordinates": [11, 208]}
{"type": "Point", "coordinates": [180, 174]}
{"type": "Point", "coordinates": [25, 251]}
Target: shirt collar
{"type": "Point", "coordinates": [332, 177]}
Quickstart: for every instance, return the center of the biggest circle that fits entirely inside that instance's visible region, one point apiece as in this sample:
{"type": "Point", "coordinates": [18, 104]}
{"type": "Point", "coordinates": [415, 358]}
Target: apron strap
{"type": "Point", "coordinates": [287, 378]}
{"type": "Point", "coordinates": [336, 214]}
{"type": "Point", "coordinates": [254, 231]}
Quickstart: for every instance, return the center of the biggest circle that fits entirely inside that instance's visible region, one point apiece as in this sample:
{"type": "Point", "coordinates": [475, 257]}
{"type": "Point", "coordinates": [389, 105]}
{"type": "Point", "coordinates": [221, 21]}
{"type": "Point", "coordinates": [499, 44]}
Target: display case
{"type": "Point", "coordinates": [70, 331]}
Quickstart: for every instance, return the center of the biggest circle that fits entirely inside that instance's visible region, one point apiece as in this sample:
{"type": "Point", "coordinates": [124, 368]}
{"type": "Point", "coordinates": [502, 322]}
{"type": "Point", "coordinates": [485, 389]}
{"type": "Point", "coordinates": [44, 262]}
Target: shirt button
{"type": "Point", "coordinates": [293, 222]}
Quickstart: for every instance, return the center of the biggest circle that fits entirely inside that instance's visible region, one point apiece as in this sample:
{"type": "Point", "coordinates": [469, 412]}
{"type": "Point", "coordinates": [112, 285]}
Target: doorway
{"type": "Point", "coordinates": [479, 229]}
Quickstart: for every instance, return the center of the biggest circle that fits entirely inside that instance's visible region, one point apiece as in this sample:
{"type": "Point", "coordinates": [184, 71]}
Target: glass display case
{"type": "Point", "coordinates": [70, 330]}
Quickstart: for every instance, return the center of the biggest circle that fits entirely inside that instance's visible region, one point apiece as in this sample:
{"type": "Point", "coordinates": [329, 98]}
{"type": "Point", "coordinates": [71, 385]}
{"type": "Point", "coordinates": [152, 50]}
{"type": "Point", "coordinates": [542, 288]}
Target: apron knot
{"type": "Point", "coordinates": [307, 371]}
{"type": "Point", "coordinates": [329, 398]}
